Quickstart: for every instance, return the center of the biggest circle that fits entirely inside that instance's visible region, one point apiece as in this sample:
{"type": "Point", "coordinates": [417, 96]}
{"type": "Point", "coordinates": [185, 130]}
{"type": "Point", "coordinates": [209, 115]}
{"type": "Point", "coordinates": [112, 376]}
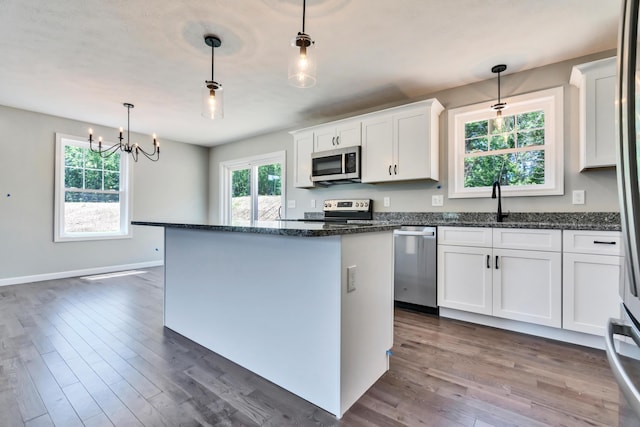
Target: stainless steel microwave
{"type": "Point", "coordinates": [336, 166]}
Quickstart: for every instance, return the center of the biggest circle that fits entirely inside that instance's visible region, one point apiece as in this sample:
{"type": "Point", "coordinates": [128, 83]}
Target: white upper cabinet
{"type": "Point", "coordinates": [402, 143]}
{"type": "Point", "coordinates": [302, 149]}
{"type": "Point", "coordinates": [340, 135]}
{"type": "Point", "coordinates": [597, 83]}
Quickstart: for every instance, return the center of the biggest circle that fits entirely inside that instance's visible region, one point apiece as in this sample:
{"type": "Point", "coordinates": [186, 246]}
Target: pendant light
{"type": "Point", "coordinates": [212, 94]}
{"type": "Point", "coordinates": [302, 64]}
{"type": "Point", "coordinates": [127, 147]}
{"type": "Point", "coordinates": [499, 106]}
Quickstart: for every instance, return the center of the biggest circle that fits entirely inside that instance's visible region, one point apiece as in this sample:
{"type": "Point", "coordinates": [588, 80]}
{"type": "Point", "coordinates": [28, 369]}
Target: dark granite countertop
{"type": "Point", "coordinates": [384, 221]}
{"type": "Point", "coordinates": [286, 228]}
{"type": "Point", "coordinates": [601, 221]}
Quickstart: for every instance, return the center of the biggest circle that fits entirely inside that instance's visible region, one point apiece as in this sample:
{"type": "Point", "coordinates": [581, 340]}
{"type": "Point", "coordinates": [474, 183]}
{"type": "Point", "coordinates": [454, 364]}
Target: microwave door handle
{"type": "Point", "coordinates": [344, 162]}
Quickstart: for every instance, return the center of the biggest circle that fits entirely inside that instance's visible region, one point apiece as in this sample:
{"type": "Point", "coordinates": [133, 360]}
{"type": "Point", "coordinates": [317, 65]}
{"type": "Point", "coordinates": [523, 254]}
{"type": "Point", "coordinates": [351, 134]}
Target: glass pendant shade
{"type": "Point", "coordinates": [212, 100]}
{"type": "Point", "coordinates": [302, 63]}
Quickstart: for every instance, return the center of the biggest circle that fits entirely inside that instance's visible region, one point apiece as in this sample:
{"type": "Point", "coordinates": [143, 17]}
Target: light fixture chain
{"type": "Point", "coordinates": [304, 12]}
{"type": "Point", "coordinates": [213, 49]}
{"type": "Point", "coordinates": [498, 87]}
{"type": "Point", "coordinates": [129, 127]}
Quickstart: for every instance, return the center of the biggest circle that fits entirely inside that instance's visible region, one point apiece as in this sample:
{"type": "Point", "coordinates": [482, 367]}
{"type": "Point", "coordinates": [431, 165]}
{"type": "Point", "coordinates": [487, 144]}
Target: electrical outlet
{"type": "Point", "coordinates": [291, 204]}
{"type": "Point", "coordinates": [351, 278]}
{"type": "Point", "coordinates": [578, 197]}
{"type": "Point", "coordinates": [387, 202]}
{"type": "Point", "coordinates": [437, 200]}
{"type": "Point", "coordinates": [313, 203]}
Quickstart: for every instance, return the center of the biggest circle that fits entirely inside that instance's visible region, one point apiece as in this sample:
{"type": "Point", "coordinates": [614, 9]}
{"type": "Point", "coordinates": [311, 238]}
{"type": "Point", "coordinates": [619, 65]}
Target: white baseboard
{"type": "Point", "coordinates": [75, 273]}
{"type": "Point", "coordinates": [564, 335]}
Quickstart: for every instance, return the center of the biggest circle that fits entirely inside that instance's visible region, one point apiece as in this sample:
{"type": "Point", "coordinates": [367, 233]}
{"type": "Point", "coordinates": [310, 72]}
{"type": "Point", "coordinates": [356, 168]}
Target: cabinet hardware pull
{"type": "Point", "coordinates": [497, 262]}
{"type": "Point", "coordinates": [333, 140]}
{"type": "Point", "coordinates": [395, 169]}
{"type": "Point", "coordinates": [338, 140]}
{"type": "Point", "coordinates": [488, 259]}
{"type": "Point", "coordinates": [600, 242]}
{"type": "Point", "coordinates": [389, 169]}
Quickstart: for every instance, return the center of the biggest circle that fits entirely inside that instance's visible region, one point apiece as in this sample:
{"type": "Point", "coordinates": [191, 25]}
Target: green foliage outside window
{"type": "Point", "coordinates": [511, 152]}
{"type": "Point", "coordinates": [86, 170]}
{"type": "Point", "coordinates": [269, 181]}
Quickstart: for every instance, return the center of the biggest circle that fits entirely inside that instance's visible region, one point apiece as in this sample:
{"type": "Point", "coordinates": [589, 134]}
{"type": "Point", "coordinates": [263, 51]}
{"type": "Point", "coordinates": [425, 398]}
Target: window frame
{"type": "Point", "coordinates": [125, 192]}
{"type": "Point", "coordinates": [551, 101]}
{"type": "Point", "coordinates": [253, 162]}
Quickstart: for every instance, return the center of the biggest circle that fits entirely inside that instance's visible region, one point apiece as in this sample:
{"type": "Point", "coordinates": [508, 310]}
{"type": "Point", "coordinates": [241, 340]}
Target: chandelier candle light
{"type": "Point", "coordinates": [133, 149]}
{"type": "Point", "coordinates": [212, 94]}
{"type": "Point", "coordinates": [302, 65]}
{"type": "Point", "coordinates": [499, 106]}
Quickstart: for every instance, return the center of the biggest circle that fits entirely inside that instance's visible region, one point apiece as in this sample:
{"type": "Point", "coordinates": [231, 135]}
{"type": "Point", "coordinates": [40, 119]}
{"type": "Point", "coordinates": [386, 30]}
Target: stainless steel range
{"type": "Point", "coordinates": [343, 210]}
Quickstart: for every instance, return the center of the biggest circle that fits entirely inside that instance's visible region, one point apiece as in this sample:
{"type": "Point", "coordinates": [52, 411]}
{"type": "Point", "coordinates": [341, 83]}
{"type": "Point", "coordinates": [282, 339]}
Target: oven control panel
{"type": "Point", "coordinates": [348, 205]}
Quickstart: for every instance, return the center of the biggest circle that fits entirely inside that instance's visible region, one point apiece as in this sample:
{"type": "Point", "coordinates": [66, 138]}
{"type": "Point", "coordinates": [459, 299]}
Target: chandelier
{"type": "Point", "coordinates": [133, 149]}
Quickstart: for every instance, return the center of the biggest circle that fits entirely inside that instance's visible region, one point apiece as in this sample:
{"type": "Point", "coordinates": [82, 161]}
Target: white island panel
{"type": "Point", "coordinates": [267, 302]}
{"type": "Point", "coordinates": [367, 312]}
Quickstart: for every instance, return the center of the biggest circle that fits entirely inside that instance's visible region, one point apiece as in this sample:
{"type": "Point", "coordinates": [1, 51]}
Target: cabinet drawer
{"type": "Point", "coordinates": [528, 239]}
{"type": "Point", "coordinates": [465, 236]}
{"type": "Point", "coordinates": [593, 242]}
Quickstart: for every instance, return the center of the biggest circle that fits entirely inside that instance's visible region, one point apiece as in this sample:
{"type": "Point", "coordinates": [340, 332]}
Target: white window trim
{"type": "Point", "coordinates": [225, 181]}
{"type": "Point", "coordinates": [126, 195]}
{"type": "Point", "coordinates": [553, 106]}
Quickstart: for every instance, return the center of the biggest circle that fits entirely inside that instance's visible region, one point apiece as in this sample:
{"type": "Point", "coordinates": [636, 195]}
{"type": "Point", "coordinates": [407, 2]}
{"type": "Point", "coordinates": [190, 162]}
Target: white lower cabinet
{"type": "Point", "coordinates": [464, 278]}
{"type": "Point", "coordinates": [527, 286]}
{"type": "Point", "coordinates": [592, 273]}
{"type": "Point", "coordinates": [477, 274]}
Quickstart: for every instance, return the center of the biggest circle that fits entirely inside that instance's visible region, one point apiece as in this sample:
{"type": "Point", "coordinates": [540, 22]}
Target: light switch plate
{"type": "Point", "coordinates": [291, 204]}
{"type": "Point", "coordinates": [351, 278]}
{"type": "Point", "coordinates": [578, 197]}
{"type": "Point", "coordinates": [313, 203]}
{"type": "Point", "coordinates": [437, 200]}
{"type": "Point", "coordinates": [387, 202]}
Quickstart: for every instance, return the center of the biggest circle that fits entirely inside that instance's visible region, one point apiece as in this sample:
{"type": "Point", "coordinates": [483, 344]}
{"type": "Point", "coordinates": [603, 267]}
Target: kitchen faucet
{"type": "Point", "coordinates": [499, 215]}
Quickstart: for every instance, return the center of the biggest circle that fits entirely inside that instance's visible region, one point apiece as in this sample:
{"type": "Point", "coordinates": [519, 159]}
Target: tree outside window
{"type": "Point", "coordinates": [523, 149]}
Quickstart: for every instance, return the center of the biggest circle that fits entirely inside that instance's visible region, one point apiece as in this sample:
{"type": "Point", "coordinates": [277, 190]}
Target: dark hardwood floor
{"type": "Point", "coordinates": [79, 352]}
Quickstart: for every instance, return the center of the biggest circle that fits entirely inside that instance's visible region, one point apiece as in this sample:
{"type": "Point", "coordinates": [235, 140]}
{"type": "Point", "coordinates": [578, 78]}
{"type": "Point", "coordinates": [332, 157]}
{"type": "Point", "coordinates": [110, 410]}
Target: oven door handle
{"type": "Point", "coordinates": [627, 387]}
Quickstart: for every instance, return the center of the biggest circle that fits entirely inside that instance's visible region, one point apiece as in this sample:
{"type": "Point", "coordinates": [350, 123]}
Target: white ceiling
{"type": "Point", "coordinates": [82, 59]}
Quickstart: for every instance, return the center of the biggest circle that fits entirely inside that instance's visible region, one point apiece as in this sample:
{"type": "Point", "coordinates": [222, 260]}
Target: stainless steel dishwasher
{"type": "Point", "coordinates": [415, 266]}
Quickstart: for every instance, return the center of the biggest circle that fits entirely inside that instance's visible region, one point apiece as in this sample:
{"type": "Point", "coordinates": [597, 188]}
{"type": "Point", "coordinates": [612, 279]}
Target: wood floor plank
{"type": "Point", "coordinates": [58, 407]}
{"type": "Point", "coordinates": [94, 352]}
{"type": "Point", "coordinates": [82, 402]}
{"type": "Point", "coordinates": [27, 398]}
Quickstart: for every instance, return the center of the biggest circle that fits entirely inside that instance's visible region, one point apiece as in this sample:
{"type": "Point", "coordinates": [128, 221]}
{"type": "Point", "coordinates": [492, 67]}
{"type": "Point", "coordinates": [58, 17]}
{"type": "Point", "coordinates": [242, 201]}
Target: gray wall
{"type": "Point", "coordinates": [600, 185]}
{"type": "Point", "coordinates": [173, 189]}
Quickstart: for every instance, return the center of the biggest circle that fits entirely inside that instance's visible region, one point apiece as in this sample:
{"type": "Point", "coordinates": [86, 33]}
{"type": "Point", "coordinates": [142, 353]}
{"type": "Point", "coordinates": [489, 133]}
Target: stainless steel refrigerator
{"type": "Point", "coordinates": [624, 355]}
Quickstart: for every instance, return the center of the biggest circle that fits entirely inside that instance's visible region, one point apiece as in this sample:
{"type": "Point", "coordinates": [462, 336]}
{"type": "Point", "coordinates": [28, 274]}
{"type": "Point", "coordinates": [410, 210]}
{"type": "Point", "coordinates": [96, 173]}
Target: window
{"type": "Point", "coordinates": [92, 193]}
{"type": "Point", "coordinates": [523, 150]}
{"type": "Point", "coordinates": [252, 189]}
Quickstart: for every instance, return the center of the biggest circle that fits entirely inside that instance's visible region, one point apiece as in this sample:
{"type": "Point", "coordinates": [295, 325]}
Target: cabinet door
{"type": "Point", "coordinates": [527, 286]}
{"type": "Point", "coordinates": [411, 150]}
{"type": "Point", "coordinates": [324, 139]}
{"type": "Point", "coordinates": [590, 291]}
{"type": "Point", "coordinates": [377, 149]}
{"type": "Point", "coordinates": [597, 83]}
{"type": "Point", "coordinates": [464, 278]}
{"type": "Point", "coordinates": [302, 149]}
{"type": "Point", "coordinates": [348, 135]}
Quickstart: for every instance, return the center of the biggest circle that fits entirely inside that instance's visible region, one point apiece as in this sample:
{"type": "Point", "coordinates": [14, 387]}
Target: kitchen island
{"type": "Point", "coordinates": [308, 306]}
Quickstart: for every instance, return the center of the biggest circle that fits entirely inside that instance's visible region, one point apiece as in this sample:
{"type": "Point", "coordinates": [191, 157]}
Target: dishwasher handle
{"type": "Point", "coordinates": [415, 233]}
